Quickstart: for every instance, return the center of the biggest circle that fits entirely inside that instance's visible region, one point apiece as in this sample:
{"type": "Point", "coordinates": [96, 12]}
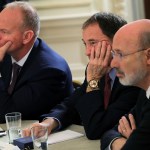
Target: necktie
{"type": "Point", "coordinates": [107, 90]}
{"type": "Point", "coordinates": [15, 69]}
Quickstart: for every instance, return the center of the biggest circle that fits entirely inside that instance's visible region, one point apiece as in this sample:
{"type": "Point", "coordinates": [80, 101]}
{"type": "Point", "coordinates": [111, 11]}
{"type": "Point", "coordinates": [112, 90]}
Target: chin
{"type": "Point", "coordinates": [124, 82]}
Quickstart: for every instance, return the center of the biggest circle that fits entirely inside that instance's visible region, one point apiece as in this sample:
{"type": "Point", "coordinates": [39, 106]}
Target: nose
{"type": "Point", "coordinates": [0, 36]}
{"type": "Point", "coordinates": [88, 51]}
{"type": "Point", "coordinates": [114, 62]}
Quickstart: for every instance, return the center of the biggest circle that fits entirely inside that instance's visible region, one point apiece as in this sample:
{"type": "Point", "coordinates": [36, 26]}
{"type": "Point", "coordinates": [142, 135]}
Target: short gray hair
{"type": "Point", "coordinates": [144, 39]}
{"type": "Point", "coordinates": [31, 19]}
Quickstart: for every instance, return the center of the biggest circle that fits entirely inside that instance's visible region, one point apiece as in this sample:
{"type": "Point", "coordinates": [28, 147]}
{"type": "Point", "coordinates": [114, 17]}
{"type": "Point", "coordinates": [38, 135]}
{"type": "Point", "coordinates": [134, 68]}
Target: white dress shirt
{"type": "Point", "coordinates": [20, 62]}
{"type": "Point", "coordinates": [148, 92]}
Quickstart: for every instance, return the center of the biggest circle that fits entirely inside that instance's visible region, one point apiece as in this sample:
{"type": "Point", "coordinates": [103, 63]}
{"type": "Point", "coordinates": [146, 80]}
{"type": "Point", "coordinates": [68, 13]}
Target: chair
{"type": "Point", "coordinates": [76, 84]}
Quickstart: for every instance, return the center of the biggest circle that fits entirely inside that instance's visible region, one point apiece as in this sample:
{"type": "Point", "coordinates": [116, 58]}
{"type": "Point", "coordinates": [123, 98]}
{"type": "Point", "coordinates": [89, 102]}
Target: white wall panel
{"type": "Point", "coordinates": [61, 22]}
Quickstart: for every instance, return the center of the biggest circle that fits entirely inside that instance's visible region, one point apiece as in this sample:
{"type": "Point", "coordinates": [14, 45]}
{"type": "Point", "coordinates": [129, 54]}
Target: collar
{"type": "Point", "coordinates": [21, 61]}
{"type": "Point", "coordinates": [148, 92]}
{"type": "Point", "coordinates": [112, 74]}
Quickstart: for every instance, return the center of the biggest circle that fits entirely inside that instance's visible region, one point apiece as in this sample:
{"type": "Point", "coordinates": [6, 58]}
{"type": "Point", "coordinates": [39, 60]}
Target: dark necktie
{"type": "Point", "coordinates": [107, 90]}
{"type": "Point", "coordinates": [15, 69]}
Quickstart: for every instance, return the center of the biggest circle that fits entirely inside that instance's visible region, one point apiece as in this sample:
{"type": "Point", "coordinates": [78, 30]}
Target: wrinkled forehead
{"type": "Point", "coordinates": [11, 13]}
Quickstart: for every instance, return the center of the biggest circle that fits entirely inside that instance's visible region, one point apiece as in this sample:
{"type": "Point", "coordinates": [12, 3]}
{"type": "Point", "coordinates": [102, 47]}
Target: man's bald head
{"type": "Point", "coordinates": [136, 33]}
{"type": "Point", "coordinates": [131, 53]}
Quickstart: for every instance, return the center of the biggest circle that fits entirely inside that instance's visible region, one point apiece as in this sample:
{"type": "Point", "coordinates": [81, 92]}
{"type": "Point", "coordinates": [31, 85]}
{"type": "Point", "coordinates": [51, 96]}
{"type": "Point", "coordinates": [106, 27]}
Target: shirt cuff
{"type": "Point", "coordinates": [109, 146]}
{"type": "Point", "coordinates": [59, 123]}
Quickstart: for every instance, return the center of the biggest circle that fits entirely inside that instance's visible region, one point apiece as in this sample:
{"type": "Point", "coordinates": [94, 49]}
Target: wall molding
{"type": "Point", "coordinates": [61, 22]}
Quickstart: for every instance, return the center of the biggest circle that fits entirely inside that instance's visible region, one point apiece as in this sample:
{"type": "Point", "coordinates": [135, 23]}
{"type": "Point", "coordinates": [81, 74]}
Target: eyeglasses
{"type": "Point", "coordinates": [120, 55]}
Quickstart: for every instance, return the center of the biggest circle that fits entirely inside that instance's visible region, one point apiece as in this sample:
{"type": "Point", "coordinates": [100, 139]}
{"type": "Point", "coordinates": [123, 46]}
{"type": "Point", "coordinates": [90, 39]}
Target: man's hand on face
{"type": "Point", "coordinates": [4, 49]}
{"type": "Point", "coordinates": [126, 126]}
{"type": "Point", "coordinates": [99, 61]}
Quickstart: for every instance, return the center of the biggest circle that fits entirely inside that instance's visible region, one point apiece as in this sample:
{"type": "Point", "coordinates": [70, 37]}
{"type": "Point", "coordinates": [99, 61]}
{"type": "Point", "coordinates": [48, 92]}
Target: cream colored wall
{"type": "Point", "coordinates": [61, 22]}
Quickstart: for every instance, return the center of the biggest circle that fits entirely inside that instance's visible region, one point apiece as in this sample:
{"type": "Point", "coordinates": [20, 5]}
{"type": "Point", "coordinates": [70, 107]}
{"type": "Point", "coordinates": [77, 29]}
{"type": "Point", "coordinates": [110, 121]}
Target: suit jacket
{"type": "Point", "coordinates": [44, 81]}
{"type": "Point", "coordinates": [89, 107]}
{"type": "Point", "coordinates": [139, 139]}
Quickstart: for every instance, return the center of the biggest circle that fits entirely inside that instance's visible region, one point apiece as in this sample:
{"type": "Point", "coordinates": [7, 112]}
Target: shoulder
{"type": "Point", "coordinates": [46, 55]}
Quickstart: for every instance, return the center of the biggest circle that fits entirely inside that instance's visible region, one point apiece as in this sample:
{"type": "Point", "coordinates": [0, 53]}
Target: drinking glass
{"type": "Point", "coordinates": [39, 137]}
{"type": "Point", "coordinates": [13, 123]}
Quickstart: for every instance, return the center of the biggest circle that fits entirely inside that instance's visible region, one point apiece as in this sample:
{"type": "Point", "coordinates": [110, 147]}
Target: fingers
{"type": "Point", "coordinates": [125, 123]}
{"type": "Point", "coordinates": [129, 124]}
{"type": "Point", "coordinates": [126, 126]}
{"type": "Point", "coordinates": [92, 55]}
{"type": "Point", "coordinates": [99, 62]}
{"type": "Point", "coordinates": [26, 132]}
{"type": "Point", "coordinates": [7, 45]}
{"type": "Point", "coordinates": [108, 56]}
{"type": "Point", "coordinates": [132, 121]}
{"type": "Point", "coordinates": [98, 51]}
{"type": "Point", "coordinates": [3, 49]}
{"type": "Point", "coordinates": [105, 54]}
{"type": "Point", "coordinates": [121, 127]}
{"type": "Point", "coordinates": [101, 54]}
{"type": "Point", "coordinates": [101, 51]}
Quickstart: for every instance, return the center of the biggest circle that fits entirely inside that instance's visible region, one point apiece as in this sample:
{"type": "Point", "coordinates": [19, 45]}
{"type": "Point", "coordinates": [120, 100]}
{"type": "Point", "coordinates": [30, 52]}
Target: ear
{"type": "Point", "coordinates": [148, 56]}
{"type": "Point", "coordinates": [27, 36]}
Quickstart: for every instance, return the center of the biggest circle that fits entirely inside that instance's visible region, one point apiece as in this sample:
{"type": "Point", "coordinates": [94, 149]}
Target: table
{"type": "Point", "coordinates": [81, 143]}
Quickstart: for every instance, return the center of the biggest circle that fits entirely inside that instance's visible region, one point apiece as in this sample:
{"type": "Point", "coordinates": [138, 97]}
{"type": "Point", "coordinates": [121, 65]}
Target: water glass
{"type": "Point", "coordinates": [39, 137]}
{"type": "Point", "coordinates": [13, 123]}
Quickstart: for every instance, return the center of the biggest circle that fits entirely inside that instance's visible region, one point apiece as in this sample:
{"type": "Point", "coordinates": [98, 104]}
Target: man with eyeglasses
{"type": "Point", "coordinates": [87, 103]}
{"type": "Point", "coordinates": [120, 55]}
{"type": "Point", "coordinates": [131, 58]}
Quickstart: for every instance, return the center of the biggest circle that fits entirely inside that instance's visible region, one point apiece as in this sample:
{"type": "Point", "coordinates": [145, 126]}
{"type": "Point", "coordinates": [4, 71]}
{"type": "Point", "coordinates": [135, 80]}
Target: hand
{"type": "Point", "coordinates": [50, 123]}
{"type": "Point", "coordinates": [126, 127]}
{"type": "Point", "coordinates": [3, 49]}
{"type": "Point", "coordinates": [99, 62]}
{"type": "Point", "coordinates": [118, 144]}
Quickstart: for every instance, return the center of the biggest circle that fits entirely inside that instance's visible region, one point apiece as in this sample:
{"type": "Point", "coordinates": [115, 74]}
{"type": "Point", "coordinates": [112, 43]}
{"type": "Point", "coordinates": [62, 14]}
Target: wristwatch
{"type": "Point", "coordinates": [94, 84]}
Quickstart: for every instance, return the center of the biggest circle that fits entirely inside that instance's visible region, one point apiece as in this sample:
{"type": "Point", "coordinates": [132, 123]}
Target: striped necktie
{"type": "Point", "coordinates": [16, 68]}
{"type": "Point", "coordinates": [107, 90]}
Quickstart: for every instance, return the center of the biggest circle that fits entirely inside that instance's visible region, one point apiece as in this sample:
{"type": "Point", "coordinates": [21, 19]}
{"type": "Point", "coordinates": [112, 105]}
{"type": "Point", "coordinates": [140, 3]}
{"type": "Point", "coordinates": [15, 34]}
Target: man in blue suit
{"type": "Point", "coordinates": [44, 78]}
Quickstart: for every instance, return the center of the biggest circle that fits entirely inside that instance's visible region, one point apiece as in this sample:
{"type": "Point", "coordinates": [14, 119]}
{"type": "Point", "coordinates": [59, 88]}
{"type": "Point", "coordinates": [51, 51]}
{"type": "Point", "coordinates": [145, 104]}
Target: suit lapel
{"type": "Point", "coordinates": [6, 70]}
{"type": "Point", "coordinates": [102, 84]}
{"type": "Point", "coordinates": [116, 86]}
{"type": "Point", "coordinates": [25, 72]}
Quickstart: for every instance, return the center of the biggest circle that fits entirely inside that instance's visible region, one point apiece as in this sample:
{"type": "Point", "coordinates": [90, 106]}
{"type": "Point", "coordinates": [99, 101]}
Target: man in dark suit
{"type": "Point", "coordinates": [87, 103]}
{"type": "Point", "coordinates": [132, 62]}
{"type": "Point", "coordinates": [44, 78]}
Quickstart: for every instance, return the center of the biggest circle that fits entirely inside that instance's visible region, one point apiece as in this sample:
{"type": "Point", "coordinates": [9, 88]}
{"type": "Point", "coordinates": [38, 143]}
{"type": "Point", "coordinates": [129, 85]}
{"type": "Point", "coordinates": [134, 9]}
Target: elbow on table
{"type": "Point", "coordinates": [93, 135]}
